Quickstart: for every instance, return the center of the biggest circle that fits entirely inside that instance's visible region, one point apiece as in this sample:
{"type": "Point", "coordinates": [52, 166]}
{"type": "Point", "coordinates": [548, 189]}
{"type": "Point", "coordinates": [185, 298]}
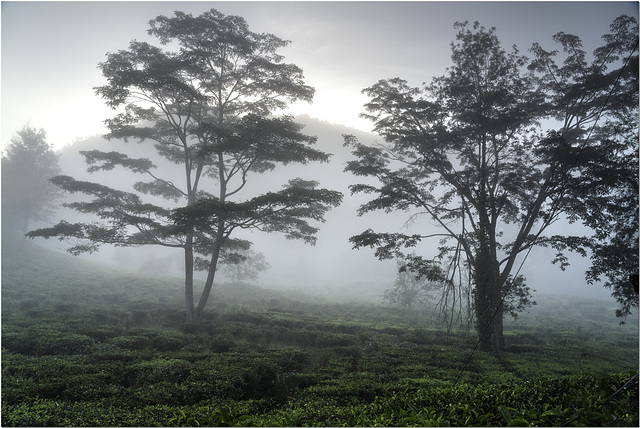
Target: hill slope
{"type": "Point", "coordinates": [36, 278]}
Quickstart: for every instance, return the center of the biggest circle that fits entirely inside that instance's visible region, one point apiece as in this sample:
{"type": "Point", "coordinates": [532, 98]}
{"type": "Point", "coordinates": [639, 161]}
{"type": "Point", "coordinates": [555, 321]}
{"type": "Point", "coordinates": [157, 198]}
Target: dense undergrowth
{"type": "Point", "coordinates": [84, 345]}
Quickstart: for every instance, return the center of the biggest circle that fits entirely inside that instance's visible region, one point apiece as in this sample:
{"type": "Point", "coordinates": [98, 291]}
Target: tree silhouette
{"type": "Point", "coordinates": [469, 153]}
{"type": "Point", "coordinates": [206, 108]}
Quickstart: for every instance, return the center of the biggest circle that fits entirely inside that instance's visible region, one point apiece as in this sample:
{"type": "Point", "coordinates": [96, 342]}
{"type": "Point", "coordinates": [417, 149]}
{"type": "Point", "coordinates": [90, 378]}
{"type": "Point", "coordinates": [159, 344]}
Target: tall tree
{"type": "Point", "coordinates": [27, 166]}
{"type": "Point", "coordinates": [468, 151]}
{"type": "Point", "coordinates": [205, 107]}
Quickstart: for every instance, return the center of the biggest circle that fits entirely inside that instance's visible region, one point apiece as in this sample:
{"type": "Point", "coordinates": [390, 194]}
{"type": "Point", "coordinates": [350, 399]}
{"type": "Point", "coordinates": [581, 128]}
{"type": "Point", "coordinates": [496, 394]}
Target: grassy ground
{"type": "Point", "coordinates": [84, 345]}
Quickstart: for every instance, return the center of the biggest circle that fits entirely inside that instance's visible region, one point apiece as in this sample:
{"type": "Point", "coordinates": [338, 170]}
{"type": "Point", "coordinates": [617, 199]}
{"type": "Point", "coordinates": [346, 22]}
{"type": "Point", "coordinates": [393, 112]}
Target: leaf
{"type": "Point", "coordinates": [106, 161]}
{"type": "Point", "coordinates": [505, 412]}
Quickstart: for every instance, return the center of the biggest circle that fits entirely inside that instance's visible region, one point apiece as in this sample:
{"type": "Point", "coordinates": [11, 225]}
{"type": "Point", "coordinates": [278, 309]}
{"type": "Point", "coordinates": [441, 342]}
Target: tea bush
{"type": "Point", "coordinates": [161, 370]}
{"type": "Point", "coordinates": [63, 344]}
{"type": "Point", "coordinates": [133, 343]}
{"type": "Point", "coordinates": [121, 356]}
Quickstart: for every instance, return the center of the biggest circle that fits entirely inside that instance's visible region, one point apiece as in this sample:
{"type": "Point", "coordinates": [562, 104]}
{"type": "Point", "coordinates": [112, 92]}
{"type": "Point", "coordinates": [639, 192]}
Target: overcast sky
{"type": "Point", "coordinates": [50, 50]}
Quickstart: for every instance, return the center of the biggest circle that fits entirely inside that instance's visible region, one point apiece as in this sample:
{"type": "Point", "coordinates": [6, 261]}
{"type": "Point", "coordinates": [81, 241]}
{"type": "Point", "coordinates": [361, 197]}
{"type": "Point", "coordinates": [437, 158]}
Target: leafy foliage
{"type": "Point", "coordinates": [408, 290]}
{"type": "Point", "coordinates": [27, 166]}
{"type": "Point", "coordinates": [468, 152]}
{"type": "Point", "coordinates": [207, 107]}
{"type": "Point", "coordinates": [604, 191]}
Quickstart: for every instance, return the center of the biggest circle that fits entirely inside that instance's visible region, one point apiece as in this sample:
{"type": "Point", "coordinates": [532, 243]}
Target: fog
{"type": "Point", "coordinates": [331, 268]}
{"type": "Point", "coordinates": [344, 37]}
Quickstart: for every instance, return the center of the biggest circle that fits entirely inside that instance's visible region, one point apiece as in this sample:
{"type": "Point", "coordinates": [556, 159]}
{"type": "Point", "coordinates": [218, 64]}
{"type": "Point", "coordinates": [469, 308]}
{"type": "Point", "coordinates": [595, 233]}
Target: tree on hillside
{"type": "Point", "coordinates": [206, 108]}
{"type": "Point", "coordinates": [245, 265]}
{"type": "Point", "coordinates": [408, 290]}
{"type": "Point", "coordinates": [27, 166]}
{"type": "Point", "coordinates": [468, 151]}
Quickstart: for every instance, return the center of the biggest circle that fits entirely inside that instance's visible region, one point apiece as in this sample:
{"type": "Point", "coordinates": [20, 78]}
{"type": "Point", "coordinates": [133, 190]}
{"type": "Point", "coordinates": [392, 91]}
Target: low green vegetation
{"type": "Point", "coordinates": [87, 346]}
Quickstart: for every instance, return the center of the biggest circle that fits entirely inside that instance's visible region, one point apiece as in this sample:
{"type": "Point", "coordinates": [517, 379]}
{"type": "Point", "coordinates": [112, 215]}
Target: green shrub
{"type": "Point", "coordinates": [134, 343]}
{"type": "Point", "coordinates": [20, 342]}
{"type": "Point", "coordinates": [200, 328]}
{"type": "Point", "coordinates": [139, 318]}
{"type": "Point", "coordinates": [218, 344]}
{"type": "Point", "coordinates": [357, 387]}
{"type": "Point", "coordinates": [168, 341]}
{"type": "Point", "coordinates": [100, 333]}
{"type": "Point", "coordinates": [222, 416]}
{"type": "Point", "coordinates": [331, 365]}
{"type": "Point", "coordinates": [421, 336]}
{"type": "Point", "coordinates": [161, 370]}
{"type": "Point", "coordinates": [86, 387]}
{"type": "Point", "coordinates": [42, 412]}
{"type": "Point", "coordinates": [63, 344]}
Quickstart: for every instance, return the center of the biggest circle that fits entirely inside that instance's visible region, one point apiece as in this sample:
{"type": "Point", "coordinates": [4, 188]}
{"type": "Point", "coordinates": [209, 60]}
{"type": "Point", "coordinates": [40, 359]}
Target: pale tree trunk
{"type": "Point", "coordinates": [188, 279]}
{"type": "Point", "coordinates": [219, 241]}
{"type": "Point", "coordinates": [213, 266]}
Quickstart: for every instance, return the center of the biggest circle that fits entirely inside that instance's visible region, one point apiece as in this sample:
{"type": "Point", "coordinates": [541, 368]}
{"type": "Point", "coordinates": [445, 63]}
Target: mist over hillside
{"type": "Point", "coordinates": [331, 267]}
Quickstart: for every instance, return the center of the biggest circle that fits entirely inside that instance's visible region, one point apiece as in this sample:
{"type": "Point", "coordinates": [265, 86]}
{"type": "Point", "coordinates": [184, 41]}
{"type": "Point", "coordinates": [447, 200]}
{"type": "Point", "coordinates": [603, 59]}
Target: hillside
{"type": "Point", "coordinates": [40, 280]}
{"type": "Point", "coordinates": [34, 276]}
{"type": "Point", "coordinates": [86, 344]}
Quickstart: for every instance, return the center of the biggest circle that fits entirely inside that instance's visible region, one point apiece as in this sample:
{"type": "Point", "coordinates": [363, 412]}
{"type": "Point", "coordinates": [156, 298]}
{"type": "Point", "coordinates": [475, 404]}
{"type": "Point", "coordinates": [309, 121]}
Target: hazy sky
{"type": "Point", "coordinates": [50, 50]}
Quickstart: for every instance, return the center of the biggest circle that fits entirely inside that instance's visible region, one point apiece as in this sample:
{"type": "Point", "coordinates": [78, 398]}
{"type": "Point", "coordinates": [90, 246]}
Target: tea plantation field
{"type": "Point", "coordinates": [87, 345]}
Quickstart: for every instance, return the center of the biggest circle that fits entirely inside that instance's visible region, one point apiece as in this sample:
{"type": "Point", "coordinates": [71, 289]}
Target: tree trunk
{"type": "Point", "coordinates": [493, 340]}
{"type": "Point", "coordinates": [188, 279]}
{"type": "Point", "coordinates": [488, 297]}
{"type": "Point", "coordinates": [213, 266]}
{"type": "Point", "coordinates": [207, 285]}
{"type": "Point", "coordinates": [488, 303]}
{"type": "Point", "coordinates": [217, 246]}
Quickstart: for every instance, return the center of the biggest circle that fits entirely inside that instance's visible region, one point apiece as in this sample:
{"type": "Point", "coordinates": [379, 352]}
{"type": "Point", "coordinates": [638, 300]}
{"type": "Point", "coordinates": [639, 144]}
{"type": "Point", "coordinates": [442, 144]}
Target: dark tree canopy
{"type": "Point", "coordinates": [27, 166]}
{"type": "Point", "coordinates": [206, 107]}
{"type": "Point", "coordinates": [468, 151]}
{"type": "Point", "coordinates": [598, 105]}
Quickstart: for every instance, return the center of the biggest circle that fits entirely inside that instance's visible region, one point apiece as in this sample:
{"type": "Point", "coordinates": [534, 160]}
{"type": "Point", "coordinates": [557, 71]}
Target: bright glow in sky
{"type": "Point", "coordinates": [50, 50]}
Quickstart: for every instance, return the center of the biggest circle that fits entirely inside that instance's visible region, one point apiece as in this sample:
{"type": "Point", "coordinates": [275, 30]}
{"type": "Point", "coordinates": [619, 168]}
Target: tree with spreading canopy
{"type": "Point", "coordinates": [245, 265]}
{"type": "Point", "coordinates": [472, 152]}
{"type": "Point", "coordinates": [27, 165]}
{"type": "Point", "coordinates": [207, 108]}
